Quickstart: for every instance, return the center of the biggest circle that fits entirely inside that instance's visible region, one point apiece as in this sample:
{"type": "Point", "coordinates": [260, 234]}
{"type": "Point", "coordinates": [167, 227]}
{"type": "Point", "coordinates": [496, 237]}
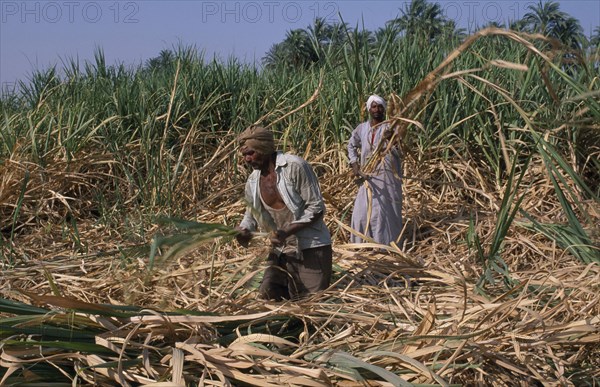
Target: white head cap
{"type": "Point", "coordinates": [377, 99]}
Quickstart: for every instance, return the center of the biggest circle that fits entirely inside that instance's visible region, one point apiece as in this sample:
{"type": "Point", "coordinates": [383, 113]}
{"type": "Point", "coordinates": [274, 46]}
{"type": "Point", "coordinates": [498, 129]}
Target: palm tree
{"type": "Point", "coordinates": [163, 61]}
{"type": "Point", "coordinates": [326, 37]}
{"type": "Point", "coordinates": [451, 30]}
{"type": "Point", "coordinates": [493, 24]}
{"type": "Point", "coordinates": [388, 32]}
{"type": "Point", "coordinates": [595, 39]}
{"type": "Point", "coordinates": [275, 56]}
{"type": "Point", "coordinates": [422, 19]}
{"type": "Point", "coordinates": [363, 37]}
{"type": "Point", "coordinates": [295, 50]}
{"type": "Point", "coordinates": [320, 31]}
{"type": "Point", "coordinates": [570, 33]}
{"type": "Point", "coordinates": [302, 48]}
{"type": "Point", "coordinates": [548, 20]}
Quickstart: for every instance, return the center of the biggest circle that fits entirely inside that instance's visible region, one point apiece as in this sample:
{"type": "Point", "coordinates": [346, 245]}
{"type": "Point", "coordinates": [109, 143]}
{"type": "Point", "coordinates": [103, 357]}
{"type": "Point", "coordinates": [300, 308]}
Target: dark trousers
{"type": "Point", "coordinates": [292, 277]}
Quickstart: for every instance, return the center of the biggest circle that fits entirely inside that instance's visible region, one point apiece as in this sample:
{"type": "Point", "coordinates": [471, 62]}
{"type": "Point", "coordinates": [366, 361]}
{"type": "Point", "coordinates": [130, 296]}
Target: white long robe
{"type": "Point", "coordinates": [382, 219]}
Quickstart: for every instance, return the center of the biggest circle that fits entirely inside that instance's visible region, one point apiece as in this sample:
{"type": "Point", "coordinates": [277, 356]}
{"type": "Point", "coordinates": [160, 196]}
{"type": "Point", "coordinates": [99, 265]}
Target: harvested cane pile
{"type": "Point", "coordinates": [390, 318]}
{"type": "Point", "coordinates": [476, 293]}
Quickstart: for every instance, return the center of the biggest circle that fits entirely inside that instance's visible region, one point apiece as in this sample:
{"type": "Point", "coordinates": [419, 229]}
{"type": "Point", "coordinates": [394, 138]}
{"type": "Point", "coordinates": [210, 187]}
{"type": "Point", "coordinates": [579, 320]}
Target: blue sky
{"type": "Point", "coordinates": [37, 34]}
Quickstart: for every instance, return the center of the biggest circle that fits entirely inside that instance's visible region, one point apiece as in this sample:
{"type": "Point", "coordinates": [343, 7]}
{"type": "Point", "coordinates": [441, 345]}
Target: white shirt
{"type": "Point", "coordinates": [299, 188]}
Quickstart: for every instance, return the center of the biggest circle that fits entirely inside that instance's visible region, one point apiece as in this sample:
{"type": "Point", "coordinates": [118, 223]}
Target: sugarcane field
{"type": "Point", "coordinates": [122, 189]}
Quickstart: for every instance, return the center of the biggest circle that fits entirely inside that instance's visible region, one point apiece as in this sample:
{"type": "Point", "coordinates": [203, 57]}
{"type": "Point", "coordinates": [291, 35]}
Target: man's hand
{"type": "Point", "coordinates": [356, 169]}
{"type": "Point", "coordinates": [278, 238]}
{"type": "Point", "coordinates": [387, 133]}
{"type": "Point", "coordinates": [358, 175]}
{"type": "Point", "coordinates": [243, 236]}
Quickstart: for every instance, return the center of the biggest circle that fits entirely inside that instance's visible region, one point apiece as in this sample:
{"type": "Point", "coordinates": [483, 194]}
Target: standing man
{"type": "Point", "coordinates": [378, 206]}
{"type": "Point", "coordinates": [284, 198]}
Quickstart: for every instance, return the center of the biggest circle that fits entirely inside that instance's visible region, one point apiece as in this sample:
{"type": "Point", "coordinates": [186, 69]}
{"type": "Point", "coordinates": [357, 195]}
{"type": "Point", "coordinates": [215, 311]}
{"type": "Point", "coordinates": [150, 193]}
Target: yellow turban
{"type": "Point", "coordinates": [257, 138]}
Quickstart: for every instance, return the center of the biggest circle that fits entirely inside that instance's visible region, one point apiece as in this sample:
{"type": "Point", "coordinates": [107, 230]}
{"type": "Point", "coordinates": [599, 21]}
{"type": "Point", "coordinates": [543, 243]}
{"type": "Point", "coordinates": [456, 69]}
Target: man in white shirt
{"type": "Point", "coordinates": [377, 211]}
{"type": "Point", "coordinates": [284, 198]}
